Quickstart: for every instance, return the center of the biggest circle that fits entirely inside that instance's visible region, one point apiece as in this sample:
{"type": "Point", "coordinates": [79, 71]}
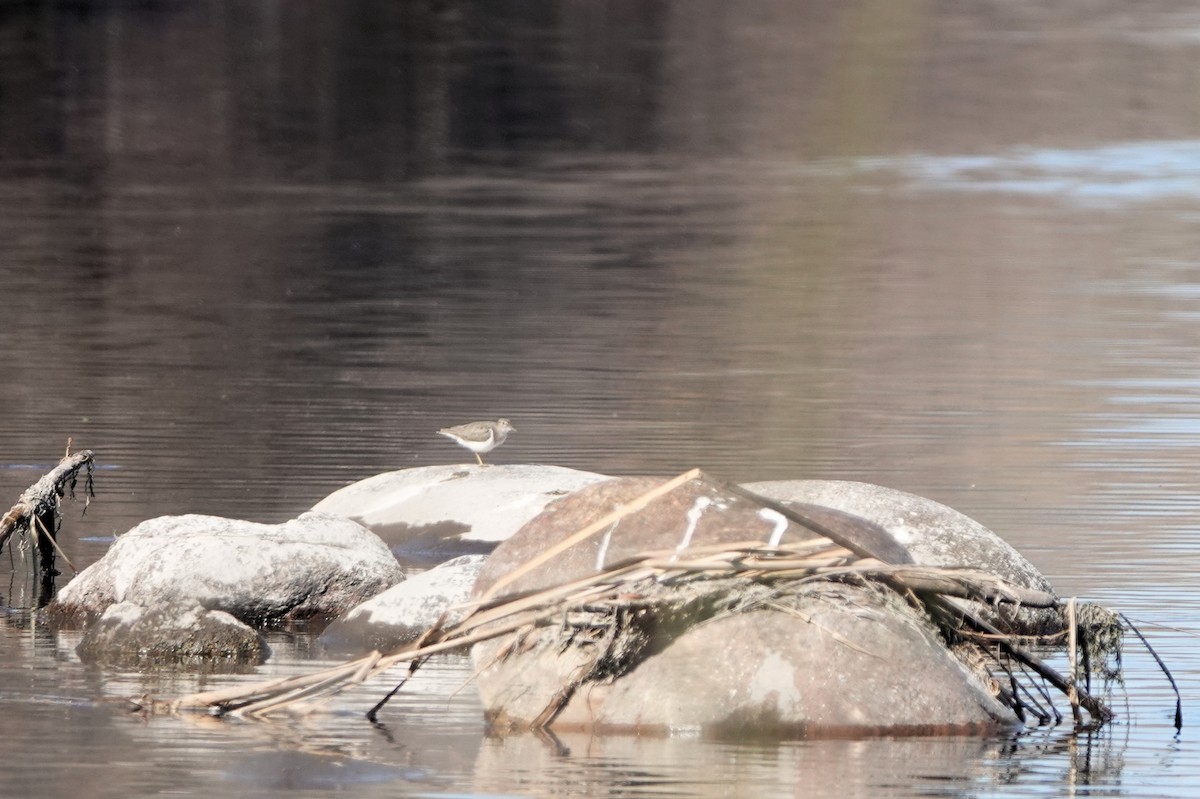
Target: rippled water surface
{"type": "Point", "coordinates": [252, 252]}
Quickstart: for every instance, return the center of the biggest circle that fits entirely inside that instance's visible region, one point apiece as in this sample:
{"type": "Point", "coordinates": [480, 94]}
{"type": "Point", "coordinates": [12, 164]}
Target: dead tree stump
{"type": "Point", "coordinates": [37, 513]}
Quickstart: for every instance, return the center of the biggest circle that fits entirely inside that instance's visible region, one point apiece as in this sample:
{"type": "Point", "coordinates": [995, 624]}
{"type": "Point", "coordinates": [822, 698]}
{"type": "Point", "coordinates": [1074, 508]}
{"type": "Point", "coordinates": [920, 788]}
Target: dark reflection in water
{"type": "Point", "coordinates": [254, 251]}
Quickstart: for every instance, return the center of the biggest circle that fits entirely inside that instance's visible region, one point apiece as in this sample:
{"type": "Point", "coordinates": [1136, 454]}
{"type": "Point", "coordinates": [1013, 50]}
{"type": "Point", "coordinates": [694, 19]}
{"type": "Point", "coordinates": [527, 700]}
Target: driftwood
{"type": "Point", "coordinates": [611, 610]}
{"type": "Point", "coordinates": [37, 513]}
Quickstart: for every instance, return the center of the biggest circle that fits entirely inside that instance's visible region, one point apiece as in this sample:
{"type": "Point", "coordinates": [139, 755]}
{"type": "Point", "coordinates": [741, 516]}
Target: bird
{"type": "Point", "coordinates": [479, 436]}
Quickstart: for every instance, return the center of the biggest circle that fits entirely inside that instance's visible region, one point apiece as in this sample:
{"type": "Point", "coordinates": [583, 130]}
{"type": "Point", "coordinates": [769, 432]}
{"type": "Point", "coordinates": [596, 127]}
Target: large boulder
{"type": "Point", "coordinates": [701, 512]}
{"type": "Point", "coordinates": [830, 657]}
{"type": "Point", "coordinates": [934, 535]}
{"type": "Point", "coordinates": [835, 660]}
{"type": "Point", "coordinates": [406, 610]}
{"type": "Point", "coordinates": [433, 513]}
{"type": "Point", "coordinates": [313, 566]}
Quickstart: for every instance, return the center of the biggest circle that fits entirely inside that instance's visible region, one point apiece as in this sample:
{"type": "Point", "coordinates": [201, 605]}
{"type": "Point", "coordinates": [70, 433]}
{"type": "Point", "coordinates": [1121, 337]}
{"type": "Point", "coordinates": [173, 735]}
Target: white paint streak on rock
{"type": "Point", "coordinates": [693, 518]}
{"type": "Point", "coordinates": [776, 518]}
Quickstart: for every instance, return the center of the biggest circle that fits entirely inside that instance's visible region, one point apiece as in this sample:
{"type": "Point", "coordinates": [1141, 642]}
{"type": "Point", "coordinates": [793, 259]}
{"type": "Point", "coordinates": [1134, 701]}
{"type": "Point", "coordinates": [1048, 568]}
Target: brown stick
{"type": "Point", "coordinates": [1072, 654]}
{"type": "Point", "coordinates": [41, 530]}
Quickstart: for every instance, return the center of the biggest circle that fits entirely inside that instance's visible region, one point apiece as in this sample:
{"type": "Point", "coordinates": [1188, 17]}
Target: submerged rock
{"type": "Point", "coordinates": [131, 636]}
{"type": "Point", "coordinates": [822, 657]}
{"type": "Point", "coordinates": [432, 513]}
{"type": "Point", "coordinates": [313, 566]}
{"type": "Point", "coordinates": [404, 611]}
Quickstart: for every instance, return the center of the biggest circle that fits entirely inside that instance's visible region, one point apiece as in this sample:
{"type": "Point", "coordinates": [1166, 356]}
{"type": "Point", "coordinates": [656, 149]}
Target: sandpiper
{"type": "Point", "coordinates": [479, 436]}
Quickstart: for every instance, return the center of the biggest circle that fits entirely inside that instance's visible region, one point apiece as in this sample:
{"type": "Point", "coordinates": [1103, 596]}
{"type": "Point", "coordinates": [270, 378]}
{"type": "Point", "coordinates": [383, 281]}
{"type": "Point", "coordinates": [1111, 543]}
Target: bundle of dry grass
{"type": "Point", "coordinates": [615, 615]}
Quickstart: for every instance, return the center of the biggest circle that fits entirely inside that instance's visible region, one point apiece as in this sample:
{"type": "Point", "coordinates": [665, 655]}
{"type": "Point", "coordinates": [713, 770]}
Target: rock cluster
{"type": "Point", "coordinates": [184, 588]}
{"type": "Point", "coordinates": [826, 656]}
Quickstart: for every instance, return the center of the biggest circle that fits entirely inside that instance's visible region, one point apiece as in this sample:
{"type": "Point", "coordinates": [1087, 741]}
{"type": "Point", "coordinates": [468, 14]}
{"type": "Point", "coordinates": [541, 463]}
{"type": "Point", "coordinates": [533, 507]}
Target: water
{"type": "Point", "coordinates": [254, 252]}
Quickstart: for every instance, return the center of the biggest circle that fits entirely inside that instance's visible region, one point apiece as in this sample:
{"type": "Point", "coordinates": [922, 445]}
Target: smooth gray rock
{"type": "Point", "coordinates": [404, 611]}
{"type": "Point", "coordinates": [834, 659]}
{"type": "Point", "coordinates": [934, 534]}
{"type": "Point", "coordinates": [432, 513]}
{"type": "Point", "coordinates": [131, 636]}
{"type": "Point", "coordinates": [313, 566]}
{"type": "Point", "coordinates": [703, 513]}
{"type": "Point", "coordinates": [841, 660]}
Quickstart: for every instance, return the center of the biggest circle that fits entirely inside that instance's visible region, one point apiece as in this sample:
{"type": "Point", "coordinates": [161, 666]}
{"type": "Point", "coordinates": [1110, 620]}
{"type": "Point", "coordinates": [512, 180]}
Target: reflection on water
{"type": "Point", "coordinates": [1142, 171]}
{"type": "Point", "coordinates": [431, 740]}
{"type": "Point", "coordinates": [251, 256]}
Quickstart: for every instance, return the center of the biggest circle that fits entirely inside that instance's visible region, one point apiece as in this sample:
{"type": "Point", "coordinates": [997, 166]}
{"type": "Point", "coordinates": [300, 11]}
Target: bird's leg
{"type": "Point", "coordinates": [478, 458]}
